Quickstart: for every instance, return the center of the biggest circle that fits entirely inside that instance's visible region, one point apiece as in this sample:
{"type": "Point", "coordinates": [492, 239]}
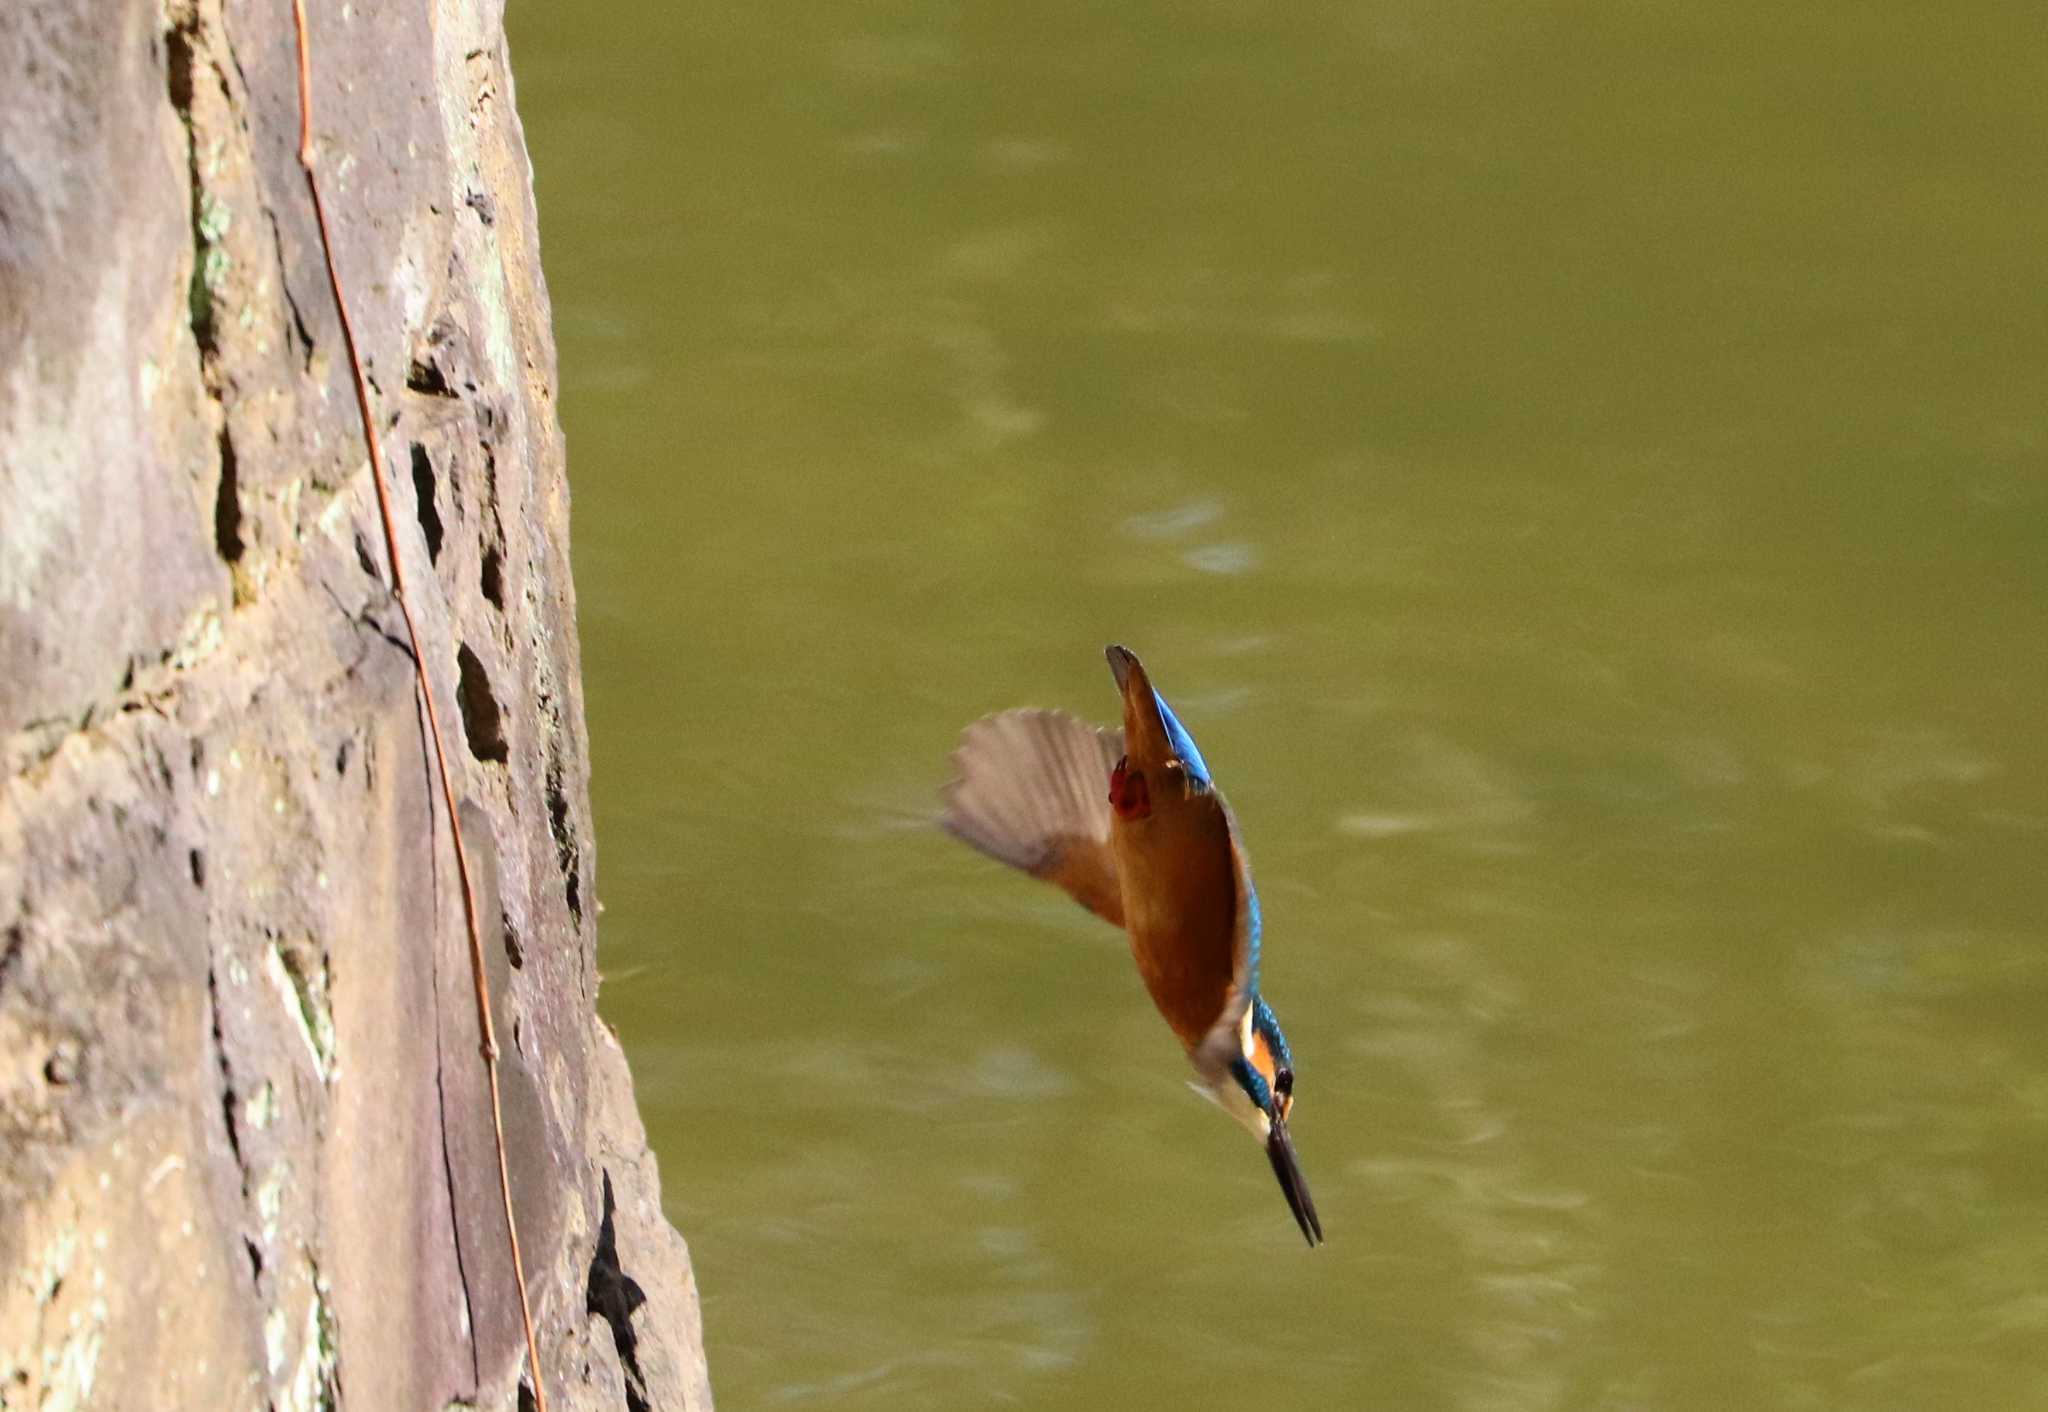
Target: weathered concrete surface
{"type": "Point", "coordinates": [245, 1159]}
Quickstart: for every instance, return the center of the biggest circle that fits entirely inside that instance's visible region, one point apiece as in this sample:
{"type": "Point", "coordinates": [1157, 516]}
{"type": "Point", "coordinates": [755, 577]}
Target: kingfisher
{"type": "Point", "coordinates": [1130, 824]}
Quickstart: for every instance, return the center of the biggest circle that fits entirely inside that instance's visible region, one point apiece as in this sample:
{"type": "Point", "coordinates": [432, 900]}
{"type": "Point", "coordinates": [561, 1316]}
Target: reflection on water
{"type": "Point", "coordinates": [1581, 476]}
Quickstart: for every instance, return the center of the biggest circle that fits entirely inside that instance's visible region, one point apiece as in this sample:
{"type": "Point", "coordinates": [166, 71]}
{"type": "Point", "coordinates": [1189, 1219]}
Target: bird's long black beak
{"type": "Point", "coordinates": [1280, 1152]}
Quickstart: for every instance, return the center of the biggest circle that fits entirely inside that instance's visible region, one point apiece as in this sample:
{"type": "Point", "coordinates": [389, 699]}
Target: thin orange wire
{"type": "Point", "coordinates": [426, 689]}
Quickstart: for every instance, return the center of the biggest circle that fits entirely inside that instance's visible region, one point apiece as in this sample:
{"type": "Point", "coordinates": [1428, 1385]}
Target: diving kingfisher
{"type": "Point", "coordinates": [1130, 824]}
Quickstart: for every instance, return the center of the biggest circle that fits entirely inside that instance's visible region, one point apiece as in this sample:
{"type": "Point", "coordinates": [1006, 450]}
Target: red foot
{"type": "Point", "coordinates": [1128, 794]}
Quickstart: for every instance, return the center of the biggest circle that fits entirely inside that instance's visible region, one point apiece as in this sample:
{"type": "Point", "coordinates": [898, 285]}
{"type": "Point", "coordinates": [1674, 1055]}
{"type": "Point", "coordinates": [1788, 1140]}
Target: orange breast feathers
{"type": "Point", "coordinates": [1179, 874]}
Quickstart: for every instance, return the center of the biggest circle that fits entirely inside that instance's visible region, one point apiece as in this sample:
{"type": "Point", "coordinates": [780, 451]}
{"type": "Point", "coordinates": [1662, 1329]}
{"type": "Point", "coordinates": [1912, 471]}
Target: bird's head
{"type": "Point", "coordinates": [1161, 767]}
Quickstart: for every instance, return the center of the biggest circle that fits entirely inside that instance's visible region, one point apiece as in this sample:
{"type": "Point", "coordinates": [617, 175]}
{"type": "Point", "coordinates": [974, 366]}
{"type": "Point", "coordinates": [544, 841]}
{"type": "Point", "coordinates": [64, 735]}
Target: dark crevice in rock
{"type": "Point", "coordinates": [389, 636]}
{"type": "Point", "coordinates": [298, 329]}
{"type": "Point", "coordinates": [568, 856]}
{"type": "Point", "coordinates": [240, 108]}
{"type": "Point", "coordinates": [568, 848]}
{"type": "Point", "coordinates": [451, 1187]}
{"type": "Point", "coordinates": [209, 221]}
{"type": "Point", "coordinates": [614, 1296]}
{"type": "Point", "coordinates": [448, 1180]}
{"type": "Point", "coordinates": [197, 860]}
{"type": "Point", "coordinates": [227, 504]}
{"type": "Point", "coordinates": [164, 777]}
{"type": "Point", "coordinates": [183, 21]}
{"type": "Point", "coordinates": [492, 570]}
{"type": "Point", "coordinates": [61, 1069]}
{"type": "Point", "coordinates": [227, 1081]}
{"type": "Point", "coordinates": [435, 369]}
{"type": "Point", "coordinates": [514, 952]}
{"type": "Point", "coordinates": [365, 558]}
{"type": "Point", "coordinates": [491, 576]}
{"type": "Point", "coordinates": [11, 943]}
{"type": "Point", "coordinates": [423, 493]}
{"type": "Point", "coordinates": [182, 41]}
{"type": "Point", "coordinates": [427, 379]}
{"type": "Point", "coordinates": [482, 719]}
{"type": "Point", "coordinates": [220, 1059]}
{"type": "Point", "coordinates": [305, 334]}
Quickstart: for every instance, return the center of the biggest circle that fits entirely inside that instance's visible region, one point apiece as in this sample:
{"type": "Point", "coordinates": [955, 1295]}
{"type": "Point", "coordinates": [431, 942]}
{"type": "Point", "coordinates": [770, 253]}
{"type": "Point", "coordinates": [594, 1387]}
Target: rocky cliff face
{"type": "Point", "coordinates": [245, 1154]}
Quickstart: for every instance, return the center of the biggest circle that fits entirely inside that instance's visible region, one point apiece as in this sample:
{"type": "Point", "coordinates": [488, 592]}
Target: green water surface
{"type": "Point", "coordinates": [1580, 470]}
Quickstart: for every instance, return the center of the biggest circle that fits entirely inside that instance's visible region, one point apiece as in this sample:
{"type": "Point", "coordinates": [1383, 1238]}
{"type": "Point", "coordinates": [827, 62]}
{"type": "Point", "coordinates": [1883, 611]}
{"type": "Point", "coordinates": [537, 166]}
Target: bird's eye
{"type": "Point", "coordinates": [1128, 794]}
{"type": "Point", "coordinates": [1283, 1082]}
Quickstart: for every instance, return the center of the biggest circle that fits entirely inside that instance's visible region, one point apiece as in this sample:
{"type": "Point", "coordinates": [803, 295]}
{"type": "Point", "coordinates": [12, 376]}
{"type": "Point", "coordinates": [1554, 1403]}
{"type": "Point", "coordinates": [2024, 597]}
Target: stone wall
{"type": "Point", "coordinates": [245, 1155]}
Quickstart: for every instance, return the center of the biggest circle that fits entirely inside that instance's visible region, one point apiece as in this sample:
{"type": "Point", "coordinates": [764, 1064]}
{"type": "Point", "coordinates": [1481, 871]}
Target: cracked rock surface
{"type": "Point", "coordinates": [245, 1153]}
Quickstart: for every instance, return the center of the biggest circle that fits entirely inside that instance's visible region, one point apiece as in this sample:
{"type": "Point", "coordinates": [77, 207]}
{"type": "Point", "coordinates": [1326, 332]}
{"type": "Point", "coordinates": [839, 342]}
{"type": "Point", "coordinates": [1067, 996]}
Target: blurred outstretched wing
{"type": "Point", "coordinates": [1032, 790]}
